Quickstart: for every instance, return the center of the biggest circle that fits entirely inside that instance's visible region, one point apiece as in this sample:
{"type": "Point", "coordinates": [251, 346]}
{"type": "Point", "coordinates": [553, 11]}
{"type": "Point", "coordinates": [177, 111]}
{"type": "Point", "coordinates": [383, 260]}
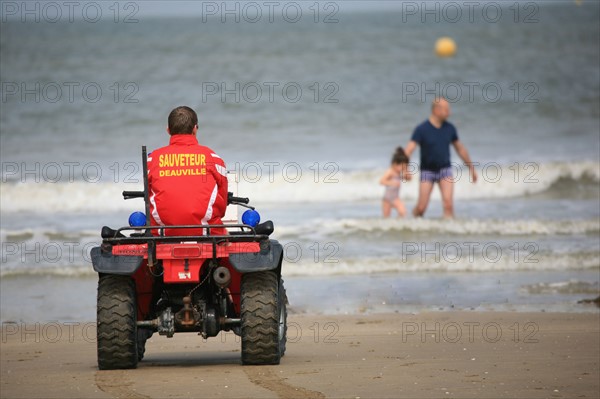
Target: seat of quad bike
{"type": "Point", "coordinates": [107, 232]}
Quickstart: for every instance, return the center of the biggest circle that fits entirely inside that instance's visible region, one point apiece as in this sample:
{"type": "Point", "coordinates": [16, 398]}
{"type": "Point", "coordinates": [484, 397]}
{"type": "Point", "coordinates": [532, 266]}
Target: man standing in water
{"type": "Point", "coordinates": [434, 136]}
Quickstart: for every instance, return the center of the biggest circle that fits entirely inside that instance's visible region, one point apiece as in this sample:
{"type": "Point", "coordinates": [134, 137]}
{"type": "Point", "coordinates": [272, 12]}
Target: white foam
{"type": "Point", "coordinates": [346, 227]}
{"type": "Point", "coordinates": [373, 265]}
{"type": "Point", "coordinates": [59, 271]}
{"type": "Point", "coordinates": [81, 196]}
{"type": "Point", "coordinates": [366, 265]}
{"type": "Point", "coordinates": [75, 196]}
{"type": "Point", "coordinates": [494, 182]}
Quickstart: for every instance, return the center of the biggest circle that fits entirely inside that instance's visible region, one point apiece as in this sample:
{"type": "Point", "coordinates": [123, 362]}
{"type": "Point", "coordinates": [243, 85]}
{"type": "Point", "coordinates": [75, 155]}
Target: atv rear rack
{"type": "Point", "coordinates": [143, 244]}
{"type": "Point", "coordinates": [246, 234]}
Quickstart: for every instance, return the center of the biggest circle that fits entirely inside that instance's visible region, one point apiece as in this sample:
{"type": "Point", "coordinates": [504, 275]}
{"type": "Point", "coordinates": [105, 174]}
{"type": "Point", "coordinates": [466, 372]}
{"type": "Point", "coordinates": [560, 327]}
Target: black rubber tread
{"type": "Point", "coordinates": [260, 318]}
{"type": "Point", "coordinates": [142, 336]}
{"type": "Point", "coordinates": [116, 323]}
{"type": "Point", "coordinates": [283, 301]}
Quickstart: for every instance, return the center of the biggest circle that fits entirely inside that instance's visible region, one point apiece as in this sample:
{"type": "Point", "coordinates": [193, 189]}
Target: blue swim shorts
{"type": "Point", "coordinates": [436, 176]}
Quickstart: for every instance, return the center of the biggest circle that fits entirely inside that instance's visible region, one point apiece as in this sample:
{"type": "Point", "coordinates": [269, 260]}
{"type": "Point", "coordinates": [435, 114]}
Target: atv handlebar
{"type": "Point", "coordinates": [230, 198]}
{"type": "Point", "coordinates": [133, 194]}
{"type": "Point", "coordinates": [236, 200]}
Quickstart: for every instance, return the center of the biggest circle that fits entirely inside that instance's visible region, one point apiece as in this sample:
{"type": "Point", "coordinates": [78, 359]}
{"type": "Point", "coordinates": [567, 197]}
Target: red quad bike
{"type": "Point", "coordinates": [173, 284]}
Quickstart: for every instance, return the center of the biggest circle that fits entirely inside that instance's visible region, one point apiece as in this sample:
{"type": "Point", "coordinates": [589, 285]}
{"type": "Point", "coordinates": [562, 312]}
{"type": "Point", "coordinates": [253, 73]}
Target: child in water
{"type": "Point", "coordinates": [391, 179]}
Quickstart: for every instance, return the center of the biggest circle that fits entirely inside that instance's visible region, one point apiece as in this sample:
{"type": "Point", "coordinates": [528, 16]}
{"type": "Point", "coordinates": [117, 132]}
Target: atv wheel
{"type": "Point", "coordinates": [261, 314]}
{"type": "Point", "coordinates": [142, 336]}
{"type": "Point", "coordinates": [116, 323]}
{"type": "Point", "coordinates": [283, 301]}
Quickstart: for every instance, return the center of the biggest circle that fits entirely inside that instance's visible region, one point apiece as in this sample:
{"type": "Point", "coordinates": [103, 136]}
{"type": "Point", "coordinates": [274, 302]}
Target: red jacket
{"type": "Point", "coordinates": [187, 185]}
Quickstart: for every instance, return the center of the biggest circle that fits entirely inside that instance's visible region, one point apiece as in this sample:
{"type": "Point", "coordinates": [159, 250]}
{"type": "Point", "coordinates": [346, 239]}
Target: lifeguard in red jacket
{"type": "Point", "coordinates": [187, 181]}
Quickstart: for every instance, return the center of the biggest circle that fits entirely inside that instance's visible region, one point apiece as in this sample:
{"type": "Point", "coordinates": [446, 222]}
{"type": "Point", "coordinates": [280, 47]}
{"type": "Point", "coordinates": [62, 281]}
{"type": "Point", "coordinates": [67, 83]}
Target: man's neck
{"type": "Point", "coordinates": [435, 122]}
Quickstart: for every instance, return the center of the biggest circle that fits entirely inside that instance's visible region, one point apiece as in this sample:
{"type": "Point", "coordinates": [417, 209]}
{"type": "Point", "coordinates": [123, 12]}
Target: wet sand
{"type": "Point", "coordinates": [433, 355]}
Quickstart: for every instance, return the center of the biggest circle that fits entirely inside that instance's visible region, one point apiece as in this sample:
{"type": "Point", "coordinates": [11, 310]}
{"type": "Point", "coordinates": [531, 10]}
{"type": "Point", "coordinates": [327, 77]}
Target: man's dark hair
{"type": "Point", "coordinates": [182, 120]}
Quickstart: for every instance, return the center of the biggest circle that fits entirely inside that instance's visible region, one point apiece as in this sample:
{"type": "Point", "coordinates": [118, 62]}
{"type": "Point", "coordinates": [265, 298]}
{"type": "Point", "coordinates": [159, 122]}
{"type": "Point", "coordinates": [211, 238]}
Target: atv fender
{"type": "Point", "coordinates": [107, 263]}
{"type": "Point", "coordinates": [269, 258]}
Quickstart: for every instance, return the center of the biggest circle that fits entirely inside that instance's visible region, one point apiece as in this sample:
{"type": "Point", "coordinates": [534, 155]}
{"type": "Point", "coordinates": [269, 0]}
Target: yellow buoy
{"type": "Point", "coordinates": [445, 47]}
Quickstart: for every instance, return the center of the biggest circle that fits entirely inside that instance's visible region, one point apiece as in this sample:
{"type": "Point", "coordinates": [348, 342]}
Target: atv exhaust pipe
{"type": "Point", "coordinates": [222, 276]}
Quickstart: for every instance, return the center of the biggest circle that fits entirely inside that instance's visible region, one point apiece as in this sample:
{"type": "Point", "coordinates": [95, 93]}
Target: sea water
{"type": "Point", "coordinates": [308, 114]}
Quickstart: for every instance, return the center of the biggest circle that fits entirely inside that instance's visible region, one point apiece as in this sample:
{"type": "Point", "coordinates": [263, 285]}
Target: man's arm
{"type": "Point", "coordinates": [462, 152]}
{"type": "Point", "coordinates": [412, 166]}
{"type": "Point", "coordinates": [223, 183]}
{"type": "Point", "coordinates": [219, 172]}
{"type": "Point", "coordinates": [410, 148]}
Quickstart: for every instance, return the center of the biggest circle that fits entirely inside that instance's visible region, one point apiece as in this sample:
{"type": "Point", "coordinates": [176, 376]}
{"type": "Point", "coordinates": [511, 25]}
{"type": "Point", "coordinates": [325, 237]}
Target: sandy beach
{"type": "Point", "coordinates": [438, 354]}
{"type": "Point", "coordinates": [305, 103]}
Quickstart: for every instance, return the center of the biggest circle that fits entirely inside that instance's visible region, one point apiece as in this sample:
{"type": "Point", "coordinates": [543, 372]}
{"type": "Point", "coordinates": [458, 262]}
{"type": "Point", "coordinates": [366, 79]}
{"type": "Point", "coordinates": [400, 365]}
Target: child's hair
{"type": "Point", "coordinates": [399, 156]}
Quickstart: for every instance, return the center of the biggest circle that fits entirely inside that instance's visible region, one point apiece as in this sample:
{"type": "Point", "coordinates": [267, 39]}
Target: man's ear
{"type": "Point", "coordinates": [168, 131]}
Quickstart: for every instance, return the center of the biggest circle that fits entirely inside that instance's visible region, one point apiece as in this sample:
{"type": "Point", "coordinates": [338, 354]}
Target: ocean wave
{"type": "Point", "coordinates": [495, 181]}
{"type": "Point", "coordinates": [50, 251]}
{"type": "Point", "coordinates": [572, 286]}
{"type": "Point", "coordinates": [378, 265]}
{"type": "Point", "coordinates": [356, 227]}
{"type": "Point", "coordinates": [348, 228]}
{"type": "Point", "coordinates": [42, 251]}
{"type": "Point", "coordinates": [47, 197]}
{"type": "Point", "coordinates": [42, 235]}
{"type": "Point", "coordinates": [369, 265]}
{"type": "Point", "coordinates": [55, 271]}
{"type": "Point", "coordinates": [72, 259]}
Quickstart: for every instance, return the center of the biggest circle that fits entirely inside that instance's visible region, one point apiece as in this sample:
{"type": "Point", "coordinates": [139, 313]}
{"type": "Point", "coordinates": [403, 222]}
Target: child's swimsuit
{"type": "Point", "coordinates": [392, 193]}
